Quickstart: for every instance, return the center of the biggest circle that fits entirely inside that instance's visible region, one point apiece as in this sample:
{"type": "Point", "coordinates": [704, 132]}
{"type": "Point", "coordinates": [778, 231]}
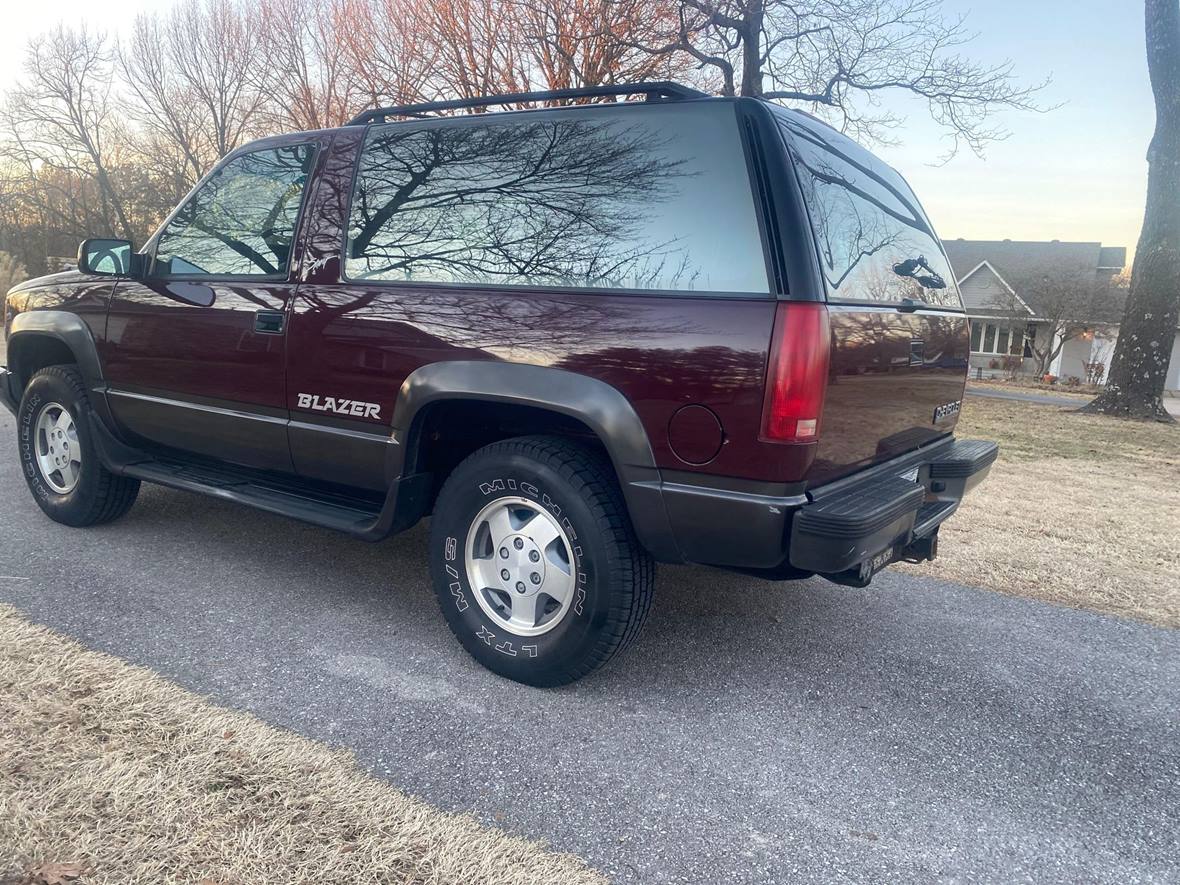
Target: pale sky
{"type": "Point", "coordinates": [1076, 173]}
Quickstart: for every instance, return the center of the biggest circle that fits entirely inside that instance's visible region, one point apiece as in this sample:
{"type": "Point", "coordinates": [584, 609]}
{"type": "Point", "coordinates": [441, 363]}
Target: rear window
{"type": "Point", "coordinates": [874, 241]}
{"type": "Point", "coordinates": [650, 197]}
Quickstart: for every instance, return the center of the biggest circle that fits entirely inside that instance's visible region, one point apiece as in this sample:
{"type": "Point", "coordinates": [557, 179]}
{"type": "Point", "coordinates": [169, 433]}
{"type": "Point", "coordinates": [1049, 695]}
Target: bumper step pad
{"type": "Point", "coordinates": [836, 532]}
{"type": "Point", "coordinates": [862, 525]}
{"type": "Point", "coordinates": [965, 457]}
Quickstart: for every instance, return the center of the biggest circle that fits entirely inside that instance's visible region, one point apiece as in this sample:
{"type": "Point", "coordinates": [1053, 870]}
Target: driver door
{"type": "Point", "coordinates": [195, 353]}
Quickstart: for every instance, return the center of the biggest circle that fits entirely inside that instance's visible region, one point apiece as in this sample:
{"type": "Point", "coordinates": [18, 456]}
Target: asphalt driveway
{"type": "Point", "coordinates": [758, 733]}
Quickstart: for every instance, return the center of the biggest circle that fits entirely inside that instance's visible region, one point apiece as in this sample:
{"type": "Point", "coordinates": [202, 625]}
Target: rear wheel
{"type": "Point", "coordinates": [535, 563]}
{"type": "Point", "coordinates": [58, 457]}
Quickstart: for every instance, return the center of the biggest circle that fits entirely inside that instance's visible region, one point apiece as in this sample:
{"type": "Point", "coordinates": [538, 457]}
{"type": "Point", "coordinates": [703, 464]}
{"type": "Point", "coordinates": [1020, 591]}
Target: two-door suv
{"type": "Point", "coordinates": [585, 337]}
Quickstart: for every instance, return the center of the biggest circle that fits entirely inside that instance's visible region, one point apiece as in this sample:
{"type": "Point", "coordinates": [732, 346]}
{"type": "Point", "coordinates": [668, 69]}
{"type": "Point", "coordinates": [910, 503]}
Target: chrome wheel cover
{"type": "Point", "coordinates": [59, 452]}
{"type": "Point", "coordinates": [519, 564]}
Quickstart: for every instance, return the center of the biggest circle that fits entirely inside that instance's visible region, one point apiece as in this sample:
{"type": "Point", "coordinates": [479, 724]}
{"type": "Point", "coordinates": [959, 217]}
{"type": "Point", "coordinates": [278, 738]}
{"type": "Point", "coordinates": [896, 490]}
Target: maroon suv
{"type": "Point", "coordinates": [585, 338]}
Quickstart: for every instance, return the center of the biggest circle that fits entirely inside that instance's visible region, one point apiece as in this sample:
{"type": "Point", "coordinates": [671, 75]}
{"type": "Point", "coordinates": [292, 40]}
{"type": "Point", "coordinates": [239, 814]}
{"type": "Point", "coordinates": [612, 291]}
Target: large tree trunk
{"type": "Point", "coordinates": [752, 72]}
{"type": "Point", "coordinates": [1140, 364]}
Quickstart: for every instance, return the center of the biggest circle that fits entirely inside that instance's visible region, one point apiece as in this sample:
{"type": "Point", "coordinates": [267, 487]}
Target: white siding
{"type": "Point", "coordinates": [982, 290]}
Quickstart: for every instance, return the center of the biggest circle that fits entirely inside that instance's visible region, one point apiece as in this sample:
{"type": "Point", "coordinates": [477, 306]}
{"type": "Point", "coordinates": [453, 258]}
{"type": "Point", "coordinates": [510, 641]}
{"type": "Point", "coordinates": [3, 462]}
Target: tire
{"type": "Point", "coordinates": [95, 495]}
{"type": "Point", "coordinates": [604, 577]}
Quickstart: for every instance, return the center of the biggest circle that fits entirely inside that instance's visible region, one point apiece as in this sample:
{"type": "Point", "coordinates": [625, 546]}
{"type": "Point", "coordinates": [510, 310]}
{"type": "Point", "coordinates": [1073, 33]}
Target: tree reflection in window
{"type": "Point", "coordinates": [580, 198]}
{"type": "Point", "coordinates": [875, 243]}
{"type": "Point", "coordinates": [241, 222]}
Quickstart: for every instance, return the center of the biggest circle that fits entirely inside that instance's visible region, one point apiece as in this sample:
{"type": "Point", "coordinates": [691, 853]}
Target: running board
{"type": "Point", "coordinates": [370, 520]}
{"type": "Point", "coordinates": [355, 518]}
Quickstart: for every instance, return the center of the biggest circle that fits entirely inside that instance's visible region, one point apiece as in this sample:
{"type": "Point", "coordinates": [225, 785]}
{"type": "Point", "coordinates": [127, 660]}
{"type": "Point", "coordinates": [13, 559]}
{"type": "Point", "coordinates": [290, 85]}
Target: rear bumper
{"type": "Point", "coordinates": [8, 392]}
{"type": "Point", "coordinates": [846, 530]}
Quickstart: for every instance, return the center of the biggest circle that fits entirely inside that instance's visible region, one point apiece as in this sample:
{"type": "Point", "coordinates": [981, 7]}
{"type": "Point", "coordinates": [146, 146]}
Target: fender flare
{"type": "Point", "coordinates": [598, 405]}
{"type": "Point", "coordinates": [69, 329]}
{"type": "Point", "coordinates": [66, 327]}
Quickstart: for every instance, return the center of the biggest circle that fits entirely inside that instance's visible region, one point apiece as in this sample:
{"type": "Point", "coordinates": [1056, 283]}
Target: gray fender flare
{"type": "Point", "coordinates": [68, 328]}
{"type": "Point", "coordinates": [595, 403]}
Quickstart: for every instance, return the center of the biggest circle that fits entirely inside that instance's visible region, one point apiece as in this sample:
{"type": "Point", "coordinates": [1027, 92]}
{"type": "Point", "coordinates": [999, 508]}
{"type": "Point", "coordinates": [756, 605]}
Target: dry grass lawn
{"type": "Point", "coordinates": [111, 774]}
{"type": "Point", "coordinates": [1079, 510]}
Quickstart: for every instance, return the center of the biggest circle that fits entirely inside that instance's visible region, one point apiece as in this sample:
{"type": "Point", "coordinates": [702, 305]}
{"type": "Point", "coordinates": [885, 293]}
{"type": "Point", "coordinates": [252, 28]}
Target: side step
{"type": "Point", "coordinates": [369, 519]}
{"type": "Point", "coordinates": [329, 511]}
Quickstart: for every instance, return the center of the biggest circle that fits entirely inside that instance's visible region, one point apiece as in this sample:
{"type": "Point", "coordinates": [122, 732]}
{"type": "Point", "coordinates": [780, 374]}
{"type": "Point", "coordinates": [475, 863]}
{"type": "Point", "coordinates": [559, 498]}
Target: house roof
{"type": "Point", "coordinates": [1012, 301]}
{"type": "Point", "coordinates": [1022, 265]}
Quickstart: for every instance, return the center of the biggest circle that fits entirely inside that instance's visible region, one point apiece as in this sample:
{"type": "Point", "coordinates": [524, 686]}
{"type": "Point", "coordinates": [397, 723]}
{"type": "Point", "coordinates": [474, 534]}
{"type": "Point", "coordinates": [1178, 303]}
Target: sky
{"type": "Point", "coordinates": [1077, 172]}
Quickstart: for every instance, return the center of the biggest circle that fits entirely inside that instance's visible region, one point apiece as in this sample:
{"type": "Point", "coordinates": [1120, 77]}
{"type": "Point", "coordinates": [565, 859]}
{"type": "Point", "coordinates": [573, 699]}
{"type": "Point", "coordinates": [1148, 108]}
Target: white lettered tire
{"type": "Point", "coordinates": [58, 457]}
{"type": "Point", "coordinates": [534, 560]}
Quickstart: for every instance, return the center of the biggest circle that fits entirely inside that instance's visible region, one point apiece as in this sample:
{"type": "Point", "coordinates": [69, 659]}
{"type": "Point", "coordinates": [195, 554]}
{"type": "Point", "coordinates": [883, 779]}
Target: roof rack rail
{"type": "Point", "coordinates": [653, 91]}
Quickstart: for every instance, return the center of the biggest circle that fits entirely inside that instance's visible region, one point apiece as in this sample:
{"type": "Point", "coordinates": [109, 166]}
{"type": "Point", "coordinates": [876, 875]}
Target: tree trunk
{"type": "Point", "coordinates": [1140, 364]}
{"type": "Point", "coordinates": [752, 48]}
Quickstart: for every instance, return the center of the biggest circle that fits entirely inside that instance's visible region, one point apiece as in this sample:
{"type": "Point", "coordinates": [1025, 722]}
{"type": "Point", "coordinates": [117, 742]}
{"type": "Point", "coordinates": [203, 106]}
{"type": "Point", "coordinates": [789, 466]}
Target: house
{"type": "Point", "coordinates": [1054, 304]}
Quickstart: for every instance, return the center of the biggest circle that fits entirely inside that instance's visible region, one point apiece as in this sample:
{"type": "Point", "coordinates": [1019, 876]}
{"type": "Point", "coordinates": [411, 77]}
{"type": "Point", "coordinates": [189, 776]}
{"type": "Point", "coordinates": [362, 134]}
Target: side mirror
{"type": "Point", "coordinates": [111, 258]}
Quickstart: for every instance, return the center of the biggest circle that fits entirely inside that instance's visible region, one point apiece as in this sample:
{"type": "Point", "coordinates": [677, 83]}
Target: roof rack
{"type": "Point", "coordinates": [655, 91]}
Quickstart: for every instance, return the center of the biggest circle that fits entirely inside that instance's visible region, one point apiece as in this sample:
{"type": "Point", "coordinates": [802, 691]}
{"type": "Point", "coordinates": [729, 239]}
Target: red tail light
{"type": "Point", "coordinates": [798, 374]}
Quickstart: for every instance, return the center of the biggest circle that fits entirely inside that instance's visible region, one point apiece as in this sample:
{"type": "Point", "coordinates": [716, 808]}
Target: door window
{"type": "Point", "coordinates": [241, 222]}
{"type": "Point", "coordinates": [653, 197]}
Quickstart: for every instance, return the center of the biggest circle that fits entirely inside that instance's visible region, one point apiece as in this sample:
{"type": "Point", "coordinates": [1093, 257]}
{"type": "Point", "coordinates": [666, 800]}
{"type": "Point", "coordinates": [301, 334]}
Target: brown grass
{"type": "Point", "coordinates": [109, 768]}
{"type": "Point", "coordinates": [1079, 510]}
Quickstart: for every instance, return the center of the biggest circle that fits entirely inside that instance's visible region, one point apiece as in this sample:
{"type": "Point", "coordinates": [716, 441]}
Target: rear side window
{"type": "Point", "coordinates": [874, 241]}
{"type": "Point", "coordinates": [646, 197]}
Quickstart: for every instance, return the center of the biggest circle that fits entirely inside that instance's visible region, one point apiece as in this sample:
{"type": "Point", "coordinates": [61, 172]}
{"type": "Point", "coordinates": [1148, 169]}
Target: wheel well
{"type": "Point", "coordinates": [446, 432]}
{"type": "Point", "coordinates": [30, 353]}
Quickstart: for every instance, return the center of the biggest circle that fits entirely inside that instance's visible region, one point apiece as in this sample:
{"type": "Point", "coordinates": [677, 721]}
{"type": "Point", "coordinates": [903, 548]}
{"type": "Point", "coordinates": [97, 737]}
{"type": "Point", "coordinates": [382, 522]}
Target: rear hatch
{"type": "Point", "coordinates": [899, 335]}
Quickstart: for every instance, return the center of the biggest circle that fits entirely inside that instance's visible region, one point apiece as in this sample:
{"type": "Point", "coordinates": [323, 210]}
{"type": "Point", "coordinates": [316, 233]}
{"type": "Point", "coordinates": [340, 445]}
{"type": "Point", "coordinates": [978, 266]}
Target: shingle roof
{"type": "Point", "coordinates": [1025, 263]}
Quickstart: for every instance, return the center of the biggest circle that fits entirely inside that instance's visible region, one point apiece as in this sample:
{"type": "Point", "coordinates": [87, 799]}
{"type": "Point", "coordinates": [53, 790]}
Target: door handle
{"type": "Point", "coordinates": [268, 322]}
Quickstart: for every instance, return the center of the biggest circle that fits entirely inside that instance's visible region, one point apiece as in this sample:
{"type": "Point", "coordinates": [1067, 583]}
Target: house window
{"type": "Point", "coordinates": [1002, 339]}
{"type": "Point", "coordinates": [996, 338]}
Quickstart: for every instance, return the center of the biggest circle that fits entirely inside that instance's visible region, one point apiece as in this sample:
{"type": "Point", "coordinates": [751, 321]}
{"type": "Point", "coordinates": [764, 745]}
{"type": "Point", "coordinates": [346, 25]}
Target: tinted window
{"type": "Point", "coordinates": [874, 242]}
{"type": "Point", "coordinates": [645, 197]}
{"type": "Point", "coordinates": [241, 222]}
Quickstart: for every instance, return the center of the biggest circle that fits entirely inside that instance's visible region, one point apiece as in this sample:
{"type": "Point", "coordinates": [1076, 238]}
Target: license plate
{"type": "Point", "coordinates": [881, 560]}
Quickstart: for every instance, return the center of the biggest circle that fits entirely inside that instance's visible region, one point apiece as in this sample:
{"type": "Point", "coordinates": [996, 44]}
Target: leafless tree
{"type": "Point", "coordinates": [63, 116]}
{"type": "Point", "coordinates": [160, 101]}
{"type": "Point", "coordinates": [476, 47]}
{"type": "Point", "coordinates": [1068, 306]}
{"type": "Point", "coordinates": [102, 142]}
{"type": "Point", "coordinates": [213, 45]}
{"type": "Point", "coordinates": [307, 77]}
{"type": "Point", "coordinates": [1139, 367]}
{"type": "Point", "coordinates": [385, 45]}
{"type": "Point", "coordinates": [593, 42]}
{"type": "Point", "coordinates": [840, 56]}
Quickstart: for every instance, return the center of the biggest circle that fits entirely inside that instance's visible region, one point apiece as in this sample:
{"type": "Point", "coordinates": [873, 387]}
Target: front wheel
{"type": "Point", "coordinates": [534, 560]}
{"type": "Point", "coordinates": [58, 457]}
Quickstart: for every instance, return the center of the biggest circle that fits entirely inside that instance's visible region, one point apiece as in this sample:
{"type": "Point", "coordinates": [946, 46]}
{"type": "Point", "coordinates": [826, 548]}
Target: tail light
{"type": "Point", "coordinates": [798, 374]}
